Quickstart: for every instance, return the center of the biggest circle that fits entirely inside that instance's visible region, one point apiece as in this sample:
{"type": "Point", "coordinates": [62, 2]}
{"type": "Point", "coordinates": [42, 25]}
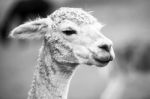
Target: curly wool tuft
{"type": "Point", "coordinates": [76, 15]}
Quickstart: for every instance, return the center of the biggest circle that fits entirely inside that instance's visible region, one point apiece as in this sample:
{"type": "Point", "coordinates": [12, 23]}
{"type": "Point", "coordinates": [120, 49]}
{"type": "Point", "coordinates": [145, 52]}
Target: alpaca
{"type": "Point", "coordinates": [71, 37]}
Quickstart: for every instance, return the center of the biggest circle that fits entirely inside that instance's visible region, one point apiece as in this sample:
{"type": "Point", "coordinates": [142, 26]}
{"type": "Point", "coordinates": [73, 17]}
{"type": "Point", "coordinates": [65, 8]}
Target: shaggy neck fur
{"type": "Point", "coordinates": [52, 77]}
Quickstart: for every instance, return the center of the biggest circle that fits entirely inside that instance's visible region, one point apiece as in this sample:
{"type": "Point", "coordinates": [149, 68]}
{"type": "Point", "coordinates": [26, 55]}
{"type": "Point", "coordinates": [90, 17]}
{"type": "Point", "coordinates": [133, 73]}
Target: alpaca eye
{"type": "Point", "coordinates": [69, 32]}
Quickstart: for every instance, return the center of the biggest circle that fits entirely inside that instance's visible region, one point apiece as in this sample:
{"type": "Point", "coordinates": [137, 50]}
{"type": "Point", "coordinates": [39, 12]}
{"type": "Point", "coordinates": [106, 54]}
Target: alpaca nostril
{"type": "Point", "coordinates": [105, 47]}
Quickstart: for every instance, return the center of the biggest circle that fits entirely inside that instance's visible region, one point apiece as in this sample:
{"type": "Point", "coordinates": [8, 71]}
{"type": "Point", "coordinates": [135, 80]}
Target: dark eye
{"type": "Point", "coordinates": [69, 32]}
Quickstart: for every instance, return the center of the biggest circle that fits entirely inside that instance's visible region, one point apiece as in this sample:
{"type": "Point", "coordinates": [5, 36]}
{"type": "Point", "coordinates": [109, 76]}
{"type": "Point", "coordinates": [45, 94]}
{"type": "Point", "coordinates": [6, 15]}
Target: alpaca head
{"type": "Point", "coordinates": [72, 35]}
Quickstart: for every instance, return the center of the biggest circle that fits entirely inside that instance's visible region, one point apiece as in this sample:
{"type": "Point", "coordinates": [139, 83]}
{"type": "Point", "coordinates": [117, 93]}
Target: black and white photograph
{"type": "Point", "coordinates": [74, 49]}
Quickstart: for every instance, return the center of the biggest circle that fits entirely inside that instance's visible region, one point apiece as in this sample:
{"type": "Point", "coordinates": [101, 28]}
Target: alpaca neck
{"type": "Point", "coordinates": [55, 87]}
{"type": "Point", "coordinates": [50, 82]}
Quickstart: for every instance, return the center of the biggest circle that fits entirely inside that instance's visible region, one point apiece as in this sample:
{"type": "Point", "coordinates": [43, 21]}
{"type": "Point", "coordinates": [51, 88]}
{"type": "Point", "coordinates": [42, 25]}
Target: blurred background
{"type": "Point", "coordinates": [127, 25]}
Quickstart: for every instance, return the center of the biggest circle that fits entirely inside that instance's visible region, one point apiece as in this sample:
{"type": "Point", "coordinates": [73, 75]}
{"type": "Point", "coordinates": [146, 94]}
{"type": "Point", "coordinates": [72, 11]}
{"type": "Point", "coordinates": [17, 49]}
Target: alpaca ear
{"type": "Point", "coordinates": [30, 30]}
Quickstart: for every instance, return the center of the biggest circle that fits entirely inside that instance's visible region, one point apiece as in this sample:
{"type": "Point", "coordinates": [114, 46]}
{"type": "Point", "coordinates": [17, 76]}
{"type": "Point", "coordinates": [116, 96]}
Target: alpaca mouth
{"type": "Point", "coordinates": [101, 61]}
{"type": "Point", "coordinates": [105, 60]}
{"type": "Point", "coordinates": [101, 58]}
